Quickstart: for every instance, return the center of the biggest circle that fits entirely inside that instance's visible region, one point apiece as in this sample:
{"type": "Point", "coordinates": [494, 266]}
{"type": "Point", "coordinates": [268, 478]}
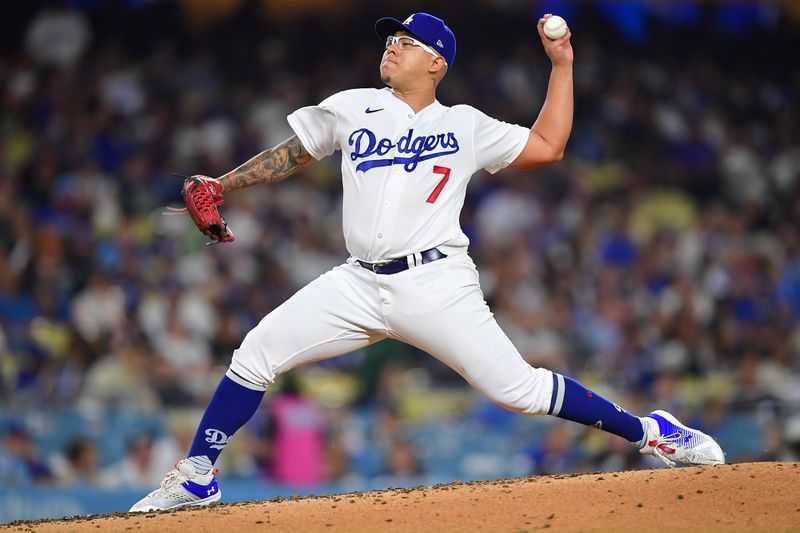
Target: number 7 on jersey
{"type": "Point", "coordinates": [444, 171]}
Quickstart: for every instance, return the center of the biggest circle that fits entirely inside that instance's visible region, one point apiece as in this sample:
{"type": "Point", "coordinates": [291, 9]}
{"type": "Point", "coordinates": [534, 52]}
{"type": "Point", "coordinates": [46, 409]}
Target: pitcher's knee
{"type": "Point", "coordinates": [250, 364]}
{"type": "Point", "coordinates": [527, 393]}
{"type": "Point", "coordinates": [243, 373]}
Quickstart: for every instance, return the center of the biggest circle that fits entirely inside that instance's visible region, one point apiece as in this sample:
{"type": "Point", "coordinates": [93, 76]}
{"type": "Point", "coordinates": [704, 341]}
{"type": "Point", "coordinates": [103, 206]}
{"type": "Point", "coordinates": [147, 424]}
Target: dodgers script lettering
{"type": "Point", "coordinates": [423, 147]}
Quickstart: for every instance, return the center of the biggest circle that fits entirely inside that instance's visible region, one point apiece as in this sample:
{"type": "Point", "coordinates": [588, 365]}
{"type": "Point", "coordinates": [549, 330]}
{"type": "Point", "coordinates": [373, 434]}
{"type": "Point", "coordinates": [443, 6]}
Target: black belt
{"type": "Point", "coordinates": [398, 265]}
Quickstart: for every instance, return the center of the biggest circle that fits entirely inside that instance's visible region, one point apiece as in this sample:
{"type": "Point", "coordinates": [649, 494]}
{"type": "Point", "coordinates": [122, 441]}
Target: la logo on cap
{"type": "Point", "coordinates": [425, 27]}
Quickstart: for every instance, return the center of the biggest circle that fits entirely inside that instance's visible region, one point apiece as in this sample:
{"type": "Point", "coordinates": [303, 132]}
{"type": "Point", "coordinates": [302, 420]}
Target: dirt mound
{"type": "Point", "coordinates": [743, 497]}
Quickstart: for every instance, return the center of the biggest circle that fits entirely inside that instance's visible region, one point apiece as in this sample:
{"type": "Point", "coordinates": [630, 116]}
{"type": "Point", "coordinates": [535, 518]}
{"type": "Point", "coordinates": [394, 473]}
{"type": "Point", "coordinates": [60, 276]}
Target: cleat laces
{"type": "Point", "coordinates": [669, 445]}
{"type": "Point", "coordinates": [172, 478]}
{"type": "Point", "coordinates": [659, 454]}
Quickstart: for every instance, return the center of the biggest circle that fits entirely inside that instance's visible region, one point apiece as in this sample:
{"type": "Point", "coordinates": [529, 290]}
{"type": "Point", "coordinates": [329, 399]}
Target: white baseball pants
{"type": "Point", "coordinates": [437, 307]}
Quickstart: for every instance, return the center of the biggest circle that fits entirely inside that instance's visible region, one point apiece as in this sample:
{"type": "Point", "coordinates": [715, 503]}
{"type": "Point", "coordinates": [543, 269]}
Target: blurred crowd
{"type": "Point", "coordinates": [659, 262]}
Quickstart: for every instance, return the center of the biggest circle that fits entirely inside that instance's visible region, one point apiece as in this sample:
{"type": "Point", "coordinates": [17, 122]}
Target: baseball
{"type": "Point", "coordinates": [555, 27]}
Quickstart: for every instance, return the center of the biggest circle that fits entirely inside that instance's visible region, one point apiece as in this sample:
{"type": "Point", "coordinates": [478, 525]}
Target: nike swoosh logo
{"type": "Point", "coordinates": [368, 110]}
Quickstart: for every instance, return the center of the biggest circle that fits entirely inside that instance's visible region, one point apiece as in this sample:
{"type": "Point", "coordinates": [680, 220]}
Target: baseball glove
{"type": "Point", "coordinates": [203, 196]}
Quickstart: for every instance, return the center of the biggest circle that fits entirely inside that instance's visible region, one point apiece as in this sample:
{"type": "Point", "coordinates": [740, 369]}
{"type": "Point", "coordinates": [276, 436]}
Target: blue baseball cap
{"type": "Point", "coordinates": [427, 28]}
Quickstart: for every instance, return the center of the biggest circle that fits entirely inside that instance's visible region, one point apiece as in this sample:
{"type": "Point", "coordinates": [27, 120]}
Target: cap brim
{"type": "Point", "coordinates": [387, 26]}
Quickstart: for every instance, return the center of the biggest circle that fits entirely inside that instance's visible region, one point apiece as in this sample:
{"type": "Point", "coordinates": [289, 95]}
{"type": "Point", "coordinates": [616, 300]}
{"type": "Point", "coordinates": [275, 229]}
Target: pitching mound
{"type": "Point", "coordinates": [743, 497]}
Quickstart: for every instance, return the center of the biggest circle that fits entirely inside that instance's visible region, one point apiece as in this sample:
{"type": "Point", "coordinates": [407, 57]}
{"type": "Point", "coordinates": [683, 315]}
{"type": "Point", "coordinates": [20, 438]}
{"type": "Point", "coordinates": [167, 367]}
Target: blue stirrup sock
{"type": "Point", "coordinates": [572, 401]}
{"type": "Point", "coordinates": [230, 408]}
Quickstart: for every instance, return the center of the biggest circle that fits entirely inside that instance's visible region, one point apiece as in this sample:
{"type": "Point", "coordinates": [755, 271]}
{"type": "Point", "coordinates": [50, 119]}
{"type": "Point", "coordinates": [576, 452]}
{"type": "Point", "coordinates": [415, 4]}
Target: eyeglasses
{"type": "Point", "coordinates": [404, 42]}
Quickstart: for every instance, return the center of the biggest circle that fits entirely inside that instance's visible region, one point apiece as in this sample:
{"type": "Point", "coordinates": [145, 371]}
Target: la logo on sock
{"type": "Point", "coordinates": [216, 438]}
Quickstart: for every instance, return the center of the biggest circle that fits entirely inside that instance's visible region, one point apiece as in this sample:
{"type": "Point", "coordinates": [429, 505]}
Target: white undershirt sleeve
{"type": "Point", "coordinates": [315, 126]}
{"type": "Point", "coordinates": [497, 144]}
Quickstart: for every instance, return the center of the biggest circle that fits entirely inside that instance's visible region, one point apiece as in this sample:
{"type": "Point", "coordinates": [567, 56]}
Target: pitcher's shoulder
{"type": "Point", "coordinates": [463, 110]}
{"type": "Point", "coordinates": [360, 92]}
{"type": "Point", "coordinates": [359, 95]}
{"type": "Point", "coordinates": [355, 99]}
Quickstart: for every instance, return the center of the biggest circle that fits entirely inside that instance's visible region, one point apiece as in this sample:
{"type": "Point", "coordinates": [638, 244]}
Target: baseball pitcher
{"type": "Point", "coordinates": [406, 162]}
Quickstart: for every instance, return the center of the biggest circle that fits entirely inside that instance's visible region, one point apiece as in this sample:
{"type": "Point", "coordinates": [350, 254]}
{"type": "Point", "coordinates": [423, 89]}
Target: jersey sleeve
{"type": "Point", "coordinates": [496, 144]}
{"type": "Point", "coordinates": [315, 126]}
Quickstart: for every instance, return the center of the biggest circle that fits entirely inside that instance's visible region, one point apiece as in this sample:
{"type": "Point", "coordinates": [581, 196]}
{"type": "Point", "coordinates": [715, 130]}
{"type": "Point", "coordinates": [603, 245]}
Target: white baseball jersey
{"type": "Point", "coordinates": [404, 174]}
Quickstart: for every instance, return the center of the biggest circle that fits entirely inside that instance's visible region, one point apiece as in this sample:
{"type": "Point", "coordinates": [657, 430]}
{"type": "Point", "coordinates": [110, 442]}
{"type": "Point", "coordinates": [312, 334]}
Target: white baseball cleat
{"type": "Point", "coordinates": [672, 442]}
{"type": "Point", "coordinates": [181, 487]}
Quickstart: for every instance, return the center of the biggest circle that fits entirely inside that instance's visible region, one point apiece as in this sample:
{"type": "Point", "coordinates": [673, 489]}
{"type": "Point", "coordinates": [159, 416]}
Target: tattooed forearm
{"type": "Point", "coordinates": [270, 166]}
